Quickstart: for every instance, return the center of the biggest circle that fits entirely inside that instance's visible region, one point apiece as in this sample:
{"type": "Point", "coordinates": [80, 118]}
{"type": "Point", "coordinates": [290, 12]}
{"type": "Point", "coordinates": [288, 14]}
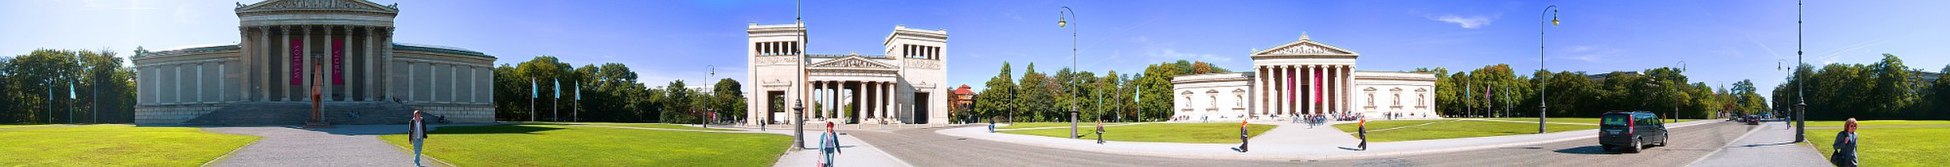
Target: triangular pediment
{"type": "Point", "coordinates": [1305, 47]}
{"type": "Point", "coordinates": [341, 5]}
{"type": "Point", "coordinates": [853, 62]}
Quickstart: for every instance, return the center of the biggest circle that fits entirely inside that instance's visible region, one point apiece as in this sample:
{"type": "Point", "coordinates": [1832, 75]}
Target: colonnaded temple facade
{"type": "Point", "coordinates": [905, 84]}
{"type": "Point", "coordinates": [342, 49]}
{"type": "Point", "coordinates": [1303, 78]}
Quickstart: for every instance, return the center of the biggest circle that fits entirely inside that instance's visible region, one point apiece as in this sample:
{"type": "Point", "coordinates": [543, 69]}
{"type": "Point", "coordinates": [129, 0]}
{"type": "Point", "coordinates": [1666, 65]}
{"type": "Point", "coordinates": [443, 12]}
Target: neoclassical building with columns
{"type": "Point", "coordinates": [1304, 77]}
{"type": "Point", "coordinates": [344, 47]}
{"type": "Point", "coordinates": [904, 84]}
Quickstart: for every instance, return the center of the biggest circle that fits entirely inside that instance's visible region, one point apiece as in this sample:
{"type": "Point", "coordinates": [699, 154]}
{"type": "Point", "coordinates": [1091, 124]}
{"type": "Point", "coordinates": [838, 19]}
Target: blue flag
{"type": "Point", "coordinates": [534, 92]}
{"type": "Point", "coordinates": [71, 91]}
{"type": "Point", "coordinates": [557, 84]}
{"type": "Point", "coordinates": [578, 91]}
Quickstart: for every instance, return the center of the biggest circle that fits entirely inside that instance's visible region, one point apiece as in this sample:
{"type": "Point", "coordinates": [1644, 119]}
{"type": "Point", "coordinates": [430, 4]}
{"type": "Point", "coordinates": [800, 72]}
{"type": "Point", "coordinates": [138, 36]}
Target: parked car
{"type": "Point", "coordinates": [1630, 131]}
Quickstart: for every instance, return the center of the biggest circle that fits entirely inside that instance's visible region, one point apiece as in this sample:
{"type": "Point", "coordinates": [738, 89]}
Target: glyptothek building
{"type": "Point", "coordinates": [342, 49]}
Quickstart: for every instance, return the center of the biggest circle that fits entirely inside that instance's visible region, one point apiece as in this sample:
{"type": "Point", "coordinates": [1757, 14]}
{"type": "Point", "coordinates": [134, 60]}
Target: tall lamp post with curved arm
{"type": "Point", "coordinates": [1062, 20]}
{"type": "Point", "coordinates": [1543, 105]}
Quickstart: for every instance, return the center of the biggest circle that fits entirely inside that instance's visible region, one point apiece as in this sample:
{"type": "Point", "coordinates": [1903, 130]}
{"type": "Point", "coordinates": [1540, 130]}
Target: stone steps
{"type": "Point", "coordinates": [295, 113]}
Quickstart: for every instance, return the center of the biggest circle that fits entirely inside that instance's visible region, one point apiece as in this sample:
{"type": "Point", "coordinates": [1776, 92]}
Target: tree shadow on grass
{"type": "Point", "coordinates": [494, 129]}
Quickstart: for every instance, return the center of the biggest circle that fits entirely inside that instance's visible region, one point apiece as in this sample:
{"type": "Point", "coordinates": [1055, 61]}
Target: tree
{"type": "Point", "coordinates": [1155, 86]}
{"type": "Point", "coordinates": [730, 97]}
{"type": "Point", "coordinates": [678, 103]}
{"type": "Point", "coordinates": [996, 97]}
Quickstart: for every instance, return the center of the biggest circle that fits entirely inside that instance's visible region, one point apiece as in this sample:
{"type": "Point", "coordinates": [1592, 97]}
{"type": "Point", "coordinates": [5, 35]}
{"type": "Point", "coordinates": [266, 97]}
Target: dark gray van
{"type": "Point", "coordinates": [1630, 131]}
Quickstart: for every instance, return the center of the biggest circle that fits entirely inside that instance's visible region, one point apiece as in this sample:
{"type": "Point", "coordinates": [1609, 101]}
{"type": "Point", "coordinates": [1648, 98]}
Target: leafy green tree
{"type": "Point", "coordinates": [997, 96]}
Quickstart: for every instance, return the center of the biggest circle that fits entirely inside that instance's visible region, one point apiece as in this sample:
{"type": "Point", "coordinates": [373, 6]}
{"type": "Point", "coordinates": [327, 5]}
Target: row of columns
{"type": "Point", "coordinates": [1302, 89]}
{"type": "Point", "coordinates": [189, 82]}
{"type": "Point", "coordinates": [873, 98]}
{"type": "Point", "coordinates": [269, 58]}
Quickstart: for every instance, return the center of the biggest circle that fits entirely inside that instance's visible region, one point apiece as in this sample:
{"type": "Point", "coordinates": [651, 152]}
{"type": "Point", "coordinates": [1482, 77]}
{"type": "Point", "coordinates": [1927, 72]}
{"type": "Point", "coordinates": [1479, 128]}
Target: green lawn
{"type": "Point", "coordinates": [1450, 129]}
{"type": "Point", "coordinates": [659, 125]}
{"type": "Point", "coordinates": [1158, 132]}
{"type": "Point", "coordinates": [567, 145]}
{"type": "Point", "coordinates": [1889, 142]}
{"type": "Point", "coordinates": [1024, 125]}
{"type": "Point", "coordinates": [114, 145]}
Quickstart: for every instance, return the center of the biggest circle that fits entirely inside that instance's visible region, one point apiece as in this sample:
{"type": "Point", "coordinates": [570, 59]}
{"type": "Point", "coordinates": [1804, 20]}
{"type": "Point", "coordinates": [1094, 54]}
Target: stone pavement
{"type": "Point", "coordinates": [1770, 145]}
{"type": "Point", "coordinates": [854, 152]}
{"type": "Point", "coordinates": [1289, 141]}
{"type": "Point", "coordinates": [344, 145]}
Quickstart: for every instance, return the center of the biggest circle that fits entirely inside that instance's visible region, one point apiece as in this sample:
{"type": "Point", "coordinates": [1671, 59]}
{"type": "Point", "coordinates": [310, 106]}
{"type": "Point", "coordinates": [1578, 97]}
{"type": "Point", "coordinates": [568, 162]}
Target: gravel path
{"type": "Point", "coordinates": [345, 145]}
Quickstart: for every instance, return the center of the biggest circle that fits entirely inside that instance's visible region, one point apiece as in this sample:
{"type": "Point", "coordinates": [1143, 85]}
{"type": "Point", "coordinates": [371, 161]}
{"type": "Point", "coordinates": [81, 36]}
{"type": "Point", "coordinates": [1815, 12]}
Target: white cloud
{"type": "Point", "coordinates": [1173, 54]}
{"type": "Point", "coordinates": [1589, 53]}
{"type": "Point", "coordinates": [1467, 22]}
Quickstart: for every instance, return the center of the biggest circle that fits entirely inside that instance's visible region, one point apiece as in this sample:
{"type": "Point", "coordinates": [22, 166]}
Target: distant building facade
{"type": "Point", "coordinates": [905, 84]}
{"type": "Point", "coordinates": [1302, 78]}
{"type": "Point", "coordinates": [346, 46]}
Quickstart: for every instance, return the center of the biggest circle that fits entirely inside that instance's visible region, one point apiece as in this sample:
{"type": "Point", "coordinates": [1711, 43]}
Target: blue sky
{"type": "Point", "coordinates": [1720, 41]}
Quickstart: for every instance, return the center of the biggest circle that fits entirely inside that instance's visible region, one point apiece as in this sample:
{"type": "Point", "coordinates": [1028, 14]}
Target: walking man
{"type": "Point", "coordinates": [1845, 146]}
{"type": "Point", "coordinates": [1100, 131]}
{"type": "Point", "coordinates": [1242, 137]}
{"type": "Point", "coordinates": [1364, 134]}
{"type": "Point", "coordinates": [416, 132]}
{"type": "Point", "coordinates": [829, 145]}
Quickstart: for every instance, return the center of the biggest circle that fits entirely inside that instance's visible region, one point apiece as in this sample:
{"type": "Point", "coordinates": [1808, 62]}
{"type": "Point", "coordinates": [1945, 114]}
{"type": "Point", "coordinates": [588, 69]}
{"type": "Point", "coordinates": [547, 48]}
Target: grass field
{"type": "Point", "coordinates": [1409, 130]}
{"type": "Point", "coordinates": [568, 145]}
{"type": "Point", "coordinates": [1025, 125]}
{"type": "Point", "coordinates": [659, 125]}
{"type": "Point", "coordinates": [1158, 132]}
{"type": "Point", "coordinates": [114, 145]}
{"type": "Point", "coordinates": [1889, 142]}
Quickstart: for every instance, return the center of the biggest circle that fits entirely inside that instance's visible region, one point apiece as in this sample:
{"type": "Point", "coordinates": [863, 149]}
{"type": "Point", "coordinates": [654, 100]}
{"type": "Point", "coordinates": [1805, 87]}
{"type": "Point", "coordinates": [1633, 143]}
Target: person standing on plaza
{"type": "Point", "coordinates": [1364, 134]}
{"type": "Point", "coordinates": [416, 132]}
{"type": "Point", "coordinates": [1845, 142]}
{"type": "Point", "coordinates": [991, 124]}
{"type": "Point", "coordinates": [829, 145]}
{"type": "Point", "coordinates": [1242, 137]}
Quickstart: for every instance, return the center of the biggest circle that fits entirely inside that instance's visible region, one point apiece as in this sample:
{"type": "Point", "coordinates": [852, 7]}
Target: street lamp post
{"type": "Point", "coordinates": [1543, 104]}
{"type": "Point", "coordinates": [1801, 101]}
{"type": "Point", "coordinates": [799, 123]}
{"type": "Point", "coordinates": [1062, 21]}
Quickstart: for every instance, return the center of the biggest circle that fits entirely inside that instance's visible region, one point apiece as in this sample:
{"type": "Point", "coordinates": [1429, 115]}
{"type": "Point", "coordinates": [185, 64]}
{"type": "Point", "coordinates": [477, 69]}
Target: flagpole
{"type": "Point", "coordinates": [532, 95]}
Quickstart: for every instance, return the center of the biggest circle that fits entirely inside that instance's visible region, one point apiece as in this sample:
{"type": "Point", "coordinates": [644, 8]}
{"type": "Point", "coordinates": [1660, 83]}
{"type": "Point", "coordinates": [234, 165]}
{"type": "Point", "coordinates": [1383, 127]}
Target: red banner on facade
{"type": "Point", "coordinates": [297, 61]}
{"type": "Point", "coordinates": [338, 58]}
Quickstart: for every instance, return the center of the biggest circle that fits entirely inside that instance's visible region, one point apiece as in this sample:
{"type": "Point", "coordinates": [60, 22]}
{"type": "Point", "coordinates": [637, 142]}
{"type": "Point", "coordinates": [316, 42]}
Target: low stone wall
{"type": "Point", "coordinates": [171, 114]}
{"type": "Point", "coordinates": [460, 113]}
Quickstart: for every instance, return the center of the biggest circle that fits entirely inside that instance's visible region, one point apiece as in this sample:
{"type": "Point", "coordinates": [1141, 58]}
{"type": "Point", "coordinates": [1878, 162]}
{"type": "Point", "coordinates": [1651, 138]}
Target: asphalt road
{"type": "Point", "coordinates": [1687, 144]}
{"type": "Point", "coordinates": [923, 147]}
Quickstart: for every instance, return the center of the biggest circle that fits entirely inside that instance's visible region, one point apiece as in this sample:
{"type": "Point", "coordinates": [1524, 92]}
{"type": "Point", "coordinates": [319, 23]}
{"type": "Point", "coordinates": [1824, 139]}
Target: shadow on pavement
{"type": "Point", "coordinates": [1592, 149]}
{"type": "Point", "coordinates": [1764, 145]}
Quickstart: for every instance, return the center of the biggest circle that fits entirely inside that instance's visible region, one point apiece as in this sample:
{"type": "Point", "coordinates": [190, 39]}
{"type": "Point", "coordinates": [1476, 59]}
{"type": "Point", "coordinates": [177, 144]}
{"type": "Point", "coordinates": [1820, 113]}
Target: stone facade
{"type": "Point", "coordinates": [347, 44]}
{"type": "Point", "coordinates": [1302, 78]}
{"type": "Point", "coordinates": [905, 84]}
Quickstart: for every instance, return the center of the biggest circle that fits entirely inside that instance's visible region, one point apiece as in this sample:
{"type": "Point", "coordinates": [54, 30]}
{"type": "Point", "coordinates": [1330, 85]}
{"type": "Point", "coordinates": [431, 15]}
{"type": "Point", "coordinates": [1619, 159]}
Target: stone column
{"type": "Point", "coordinates": [247, 54]}
{"type": "Point", "coordinates": [261, 69]}
{"type": "Point", "coordinates": [345, 66]}
{"type": "Point", "coordinates": [887, 100]}
{"type": "Point", "coordinates": [371, 92]}
{"type": "Point", "coordinates": [1312, 88]}
{"type": "Point", "coordinates": [1278, 88]}
{"type": "Point", "coordinates": [325, 65]}
{"type": "Point", "coordinates": [386, 62]}
{"type": "Point", "coordinates": [1333, 91]}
